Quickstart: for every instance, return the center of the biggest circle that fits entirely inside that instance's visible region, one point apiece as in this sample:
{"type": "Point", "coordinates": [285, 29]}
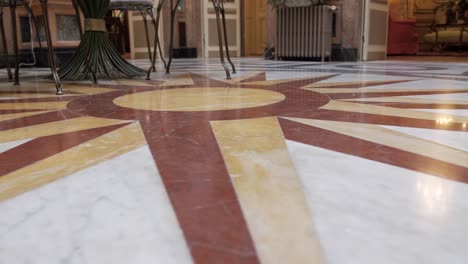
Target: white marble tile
{"type": "Point", "coordinates": [456, 112]}
{"type": "Point", "coordinates": [116, 212]}
{"type": "Point", "coordinates": [368, 212]}
{"type": "Point", "coordinates": [12, 144]}
{"type": "Point", "coordinates": [453, 139]}
{"type": "Point", "coordinates": [450, 96]}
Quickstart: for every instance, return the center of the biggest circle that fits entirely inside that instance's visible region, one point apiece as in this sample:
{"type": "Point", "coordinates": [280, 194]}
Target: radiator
{"type": "Point", "coordinates": [304, 32]}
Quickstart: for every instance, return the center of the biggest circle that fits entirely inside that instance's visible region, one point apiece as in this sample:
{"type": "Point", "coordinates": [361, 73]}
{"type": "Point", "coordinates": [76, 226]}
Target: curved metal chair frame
{"type": "Point", "coordinates": [222, 34]}
{"type": "Point", "coordinates": [144, 12]}
{"type": "Point", "coordinates": [12, 4]}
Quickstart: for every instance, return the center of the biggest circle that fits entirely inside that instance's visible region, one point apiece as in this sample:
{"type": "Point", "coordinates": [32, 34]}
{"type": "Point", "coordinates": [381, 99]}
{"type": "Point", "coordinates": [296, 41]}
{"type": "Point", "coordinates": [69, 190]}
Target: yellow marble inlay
{"type": "Point", "coordinates": [130, 82]}
{"type": "Point", "coordinates": [391, 138]}
{"type": "Point", "coordinates": [185, 79]}
{"type": "Point", "coordinates": [38, 105]}
{"type": "Point", "coordinates": [89, 90]}
{"type": "Point", "coordinates": [70, 161]}
{"type": "Point", "coordinates": [269, 190]}
{"type": "Point", "coordinates": [380, 90]}
{"type": "Point", "coordinates": [59, 127]}
{"type": "Point", "coordinates": [6, 96]}
{"type": "Point", "coordinates": [400, 99]}
{"type": "Point", "coordinates": [199, 99]}
{"type": "Point", "coordinates": [390, 111]}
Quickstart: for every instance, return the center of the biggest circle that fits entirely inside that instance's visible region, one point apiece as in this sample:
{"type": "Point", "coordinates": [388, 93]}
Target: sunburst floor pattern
{"type": "Point", "coordinates": [242, 168]}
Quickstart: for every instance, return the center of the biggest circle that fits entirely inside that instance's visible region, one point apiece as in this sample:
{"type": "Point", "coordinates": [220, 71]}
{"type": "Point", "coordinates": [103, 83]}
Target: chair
{"type": "Point", "coordinates": [145, 7]}
{"type": "Point", "coordinates": [12, 4]}
{"type": "Point", "coordinates": [220, 12]}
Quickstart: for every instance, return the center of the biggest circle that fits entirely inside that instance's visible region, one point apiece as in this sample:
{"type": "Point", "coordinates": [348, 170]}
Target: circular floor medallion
{"type": "Point", "coordinates": [199, 99]}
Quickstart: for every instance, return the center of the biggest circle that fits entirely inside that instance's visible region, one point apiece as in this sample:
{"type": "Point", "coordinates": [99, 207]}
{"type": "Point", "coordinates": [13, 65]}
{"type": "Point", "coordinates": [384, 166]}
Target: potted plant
{"type": "Point", "coordinates": [459, 9]}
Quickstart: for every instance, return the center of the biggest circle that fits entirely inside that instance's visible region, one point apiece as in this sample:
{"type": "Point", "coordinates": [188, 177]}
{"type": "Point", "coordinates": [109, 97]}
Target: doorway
{"type": "Point", "coordinates": [374, 46]}
{"type": "Point", "coordinates": [254, 27]}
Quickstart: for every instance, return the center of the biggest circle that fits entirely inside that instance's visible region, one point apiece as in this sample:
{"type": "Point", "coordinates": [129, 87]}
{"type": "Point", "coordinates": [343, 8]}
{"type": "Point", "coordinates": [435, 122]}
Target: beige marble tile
{"type": "Point", "coordinates": [130, 82]}
{"type": "Point", "coordinates": [380, 90]}
{"type": "Point", "coordinates": [59, 127]}
{"type": "Point", "coordinates": [271, 82]}
{"type": "Point", "coordinates": [185, 79]}
{"type": "Point", "coordinates": [269, 190]}
{"type": "Point", "coordinates": [338, 84]}
{"type": "Point", "coordinates": [240, 78]}
{"type": "Point", "coordinates": [391, 138]}
{"type": "Point", "coordinates": [28, 87]}
{"type": "Point", "coordinates": [38, 105]}
{"type": "Point", "coordinates": [398, 99]}
{"type": "Point", "coordinates": [391, 111]}
{"type": "Point", "coordinates": [89, 90]}
{"type": "Point", "coordinates": [19, 115]}
{"type": "Point", "coordinates": [70, 161]}
{"type": "Point", "coordinates": [31, 95]}
{"type": "Point", "coordinates": [199, 99]}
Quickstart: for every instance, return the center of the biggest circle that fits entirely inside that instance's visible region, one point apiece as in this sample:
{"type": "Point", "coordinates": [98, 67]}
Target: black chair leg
{"type": "Point", "coordinates": [4, 45]}
{"type": "Point", "coordinates": [217, 7]}
{"type": "Point", "coordinates": [36, 28]}
{"type": "Point", "coordinates": [52, 65]}
{"type": "Point", "coordinates": [155, 17]}
{"type": "Point", "coordinates": [148, 43]}
{"type": "Point", "coordinates": [171, 41]}
{"type": "Point", "coordinates": [15, 40]}
{"type": "Point", "coordinates": [226, 43]}
{"type": "Point", "coordinates": [161, 54]}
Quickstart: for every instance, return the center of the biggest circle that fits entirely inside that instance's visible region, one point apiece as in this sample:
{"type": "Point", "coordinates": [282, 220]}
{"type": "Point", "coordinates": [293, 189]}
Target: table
{"type": "Point", "coordinates": [444, 35]}
{"type": "Point", "coordinates": [96, 57]}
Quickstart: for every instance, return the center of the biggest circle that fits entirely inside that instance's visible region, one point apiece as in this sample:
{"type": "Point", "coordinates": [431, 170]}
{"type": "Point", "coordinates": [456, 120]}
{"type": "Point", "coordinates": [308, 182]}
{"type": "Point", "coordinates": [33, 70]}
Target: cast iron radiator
{"type": "Point", "coordinates": [304, 32]}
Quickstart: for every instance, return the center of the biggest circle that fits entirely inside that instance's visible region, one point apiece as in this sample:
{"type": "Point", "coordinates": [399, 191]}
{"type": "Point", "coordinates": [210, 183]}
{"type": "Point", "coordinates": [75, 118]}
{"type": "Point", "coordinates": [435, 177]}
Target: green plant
{"type": "Point", "coordinates": [458, 7]}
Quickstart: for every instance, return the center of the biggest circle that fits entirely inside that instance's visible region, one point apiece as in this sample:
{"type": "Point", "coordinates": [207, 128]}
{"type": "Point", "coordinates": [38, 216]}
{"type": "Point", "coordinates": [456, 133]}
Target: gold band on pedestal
{"type": "Point", "coordinates": [95, 24]}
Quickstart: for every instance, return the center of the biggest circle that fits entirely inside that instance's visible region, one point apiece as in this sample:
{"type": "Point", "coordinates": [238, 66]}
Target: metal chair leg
{"type": "Point", "coordinates": [217, 8]}
{"type": "Point", "coordinates": [226, 43]}
{"type": "Point", "coordinates": [4, 45]}
{"type": "Point", "coordinates": [15, 40]}
{"type": "Point", "coordinates": [157, 42]}
{"type": "Point", "coordinates": [78, 18]}
{"type": "Point", "coordinates": [53, 68]}
{"type": "Point", "coordinates": [148, 44]}
{"type": "Point", "coordinates": [161, 54]}
{"type": "Point", "coordinates": [36, 27]}
{"type": "Point", "coordinates": [171, 42]}
{"type": "Point", "coordinates": [156, 17]}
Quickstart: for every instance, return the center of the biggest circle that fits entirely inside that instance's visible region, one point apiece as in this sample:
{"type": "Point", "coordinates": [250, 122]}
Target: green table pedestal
{"type": "Point", "coordinates": [96, 54]}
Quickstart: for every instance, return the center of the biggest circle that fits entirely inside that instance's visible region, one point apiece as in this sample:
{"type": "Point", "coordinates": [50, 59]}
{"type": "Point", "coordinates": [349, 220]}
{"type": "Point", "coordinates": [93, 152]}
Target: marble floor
{"type": "Point", "coordinates": [288, 162]}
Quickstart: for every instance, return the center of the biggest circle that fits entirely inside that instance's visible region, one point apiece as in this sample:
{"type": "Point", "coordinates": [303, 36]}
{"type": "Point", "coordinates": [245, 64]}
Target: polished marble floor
{"type": "Point", "coordinates": [288, 162]}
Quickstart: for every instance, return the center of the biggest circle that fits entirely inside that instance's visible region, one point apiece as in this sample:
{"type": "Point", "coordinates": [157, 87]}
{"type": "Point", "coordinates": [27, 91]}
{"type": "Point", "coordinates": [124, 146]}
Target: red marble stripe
{"type": "Point", "coordinates": [419, 106]}
{"type": "Point", "coordinates": [5, 112]}
{"type": "Point", "coordinates": [357, 147]}
{"type": "Point", "coordinates": [44, 147]}
{"type": "Point", "coordinates": [296, 84]}
{"type": "Point", "coordinates": [201, 192]}
{"type": "Point", "coordinates": [37, 119]}
{"type": "Point", "coordinates": [370, 94]}
{"type": "Point", "coordinates": [353, 117]}
{"type": "Point", "coordinates": [362, 85]}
